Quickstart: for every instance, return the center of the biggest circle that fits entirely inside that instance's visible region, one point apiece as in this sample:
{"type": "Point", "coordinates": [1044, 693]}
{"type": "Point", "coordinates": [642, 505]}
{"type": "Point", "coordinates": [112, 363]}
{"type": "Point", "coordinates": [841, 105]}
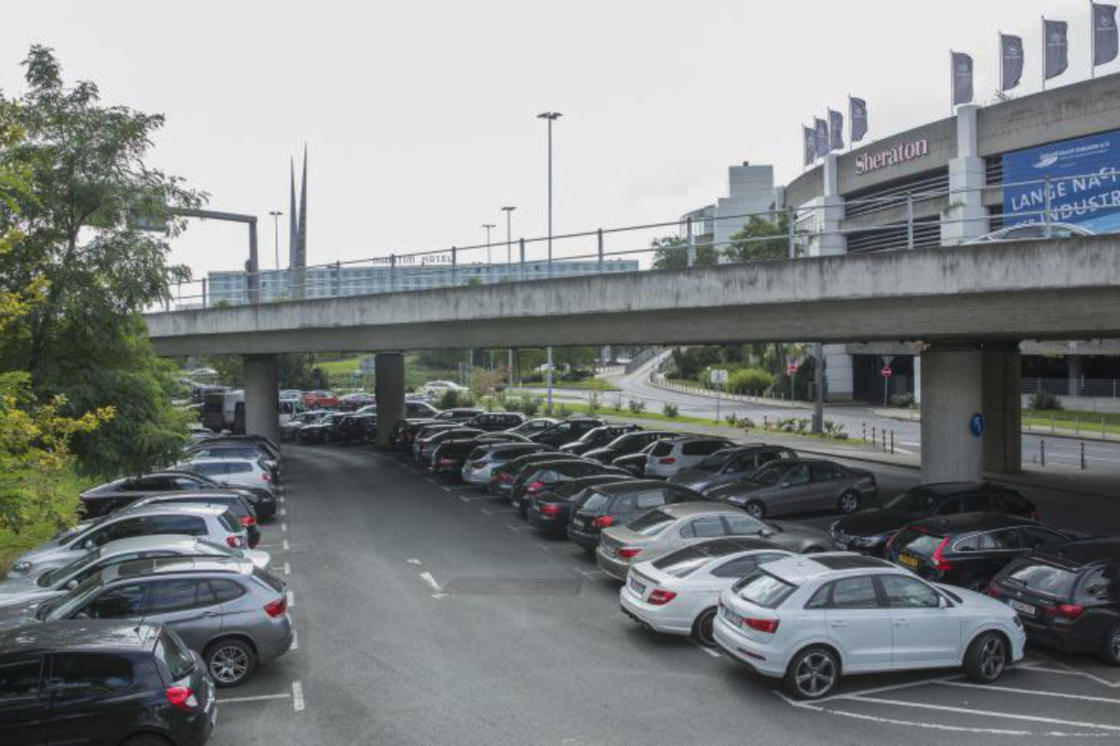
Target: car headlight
{"type": "Point", "coordinates": [22, 566]}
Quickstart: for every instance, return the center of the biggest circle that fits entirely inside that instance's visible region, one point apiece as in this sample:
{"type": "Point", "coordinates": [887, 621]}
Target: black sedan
{"type": "Point", "coordinates": [627, 444]}
{"type": "Point", "coordinates": [596, 437]}
{"type": "Point", "coordinates": [550, 510]}
{"type": "Point", "coordinates": [868, 530]}
{"type": "Point", "coordinates": [503, 475]}
{"type": "Point", "coordinates": [1068, 596]}
{"type": "Point", "coordinates": [968, 549]}
{"type": "Point", "coordinates": [567, 430]}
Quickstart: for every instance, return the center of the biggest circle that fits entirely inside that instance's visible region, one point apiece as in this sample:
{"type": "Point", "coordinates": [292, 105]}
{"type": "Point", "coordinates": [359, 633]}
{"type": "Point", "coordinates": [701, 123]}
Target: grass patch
{"type": "Point", "coordinates": [1088, 423]}
{"type": "Point", "coordinates": [589, 384]}
{"type": "Point", "coordinates": [57, 507]}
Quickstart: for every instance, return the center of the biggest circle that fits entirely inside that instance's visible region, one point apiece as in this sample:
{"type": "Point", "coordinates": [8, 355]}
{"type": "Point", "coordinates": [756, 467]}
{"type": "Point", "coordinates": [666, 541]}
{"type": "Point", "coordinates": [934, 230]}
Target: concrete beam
{"type": "Point", "coordinates": [1058, 289]}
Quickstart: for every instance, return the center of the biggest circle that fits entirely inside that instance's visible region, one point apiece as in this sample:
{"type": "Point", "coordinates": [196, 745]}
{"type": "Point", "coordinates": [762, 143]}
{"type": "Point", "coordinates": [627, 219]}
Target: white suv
{"type": "Point", "coordinates": [673, 454]}
{"type": "Point", "coordinates": [807, 619]}
{"type": "Point", "coordinates": [236, 472]}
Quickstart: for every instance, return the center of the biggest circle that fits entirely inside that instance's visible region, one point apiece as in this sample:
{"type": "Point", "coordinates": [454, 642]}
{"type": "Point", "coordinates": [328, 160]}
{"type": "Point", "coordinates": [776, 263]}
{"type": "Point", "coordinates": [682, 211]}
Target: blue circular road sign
{"type": "Point", "coordinates": [976, 425]}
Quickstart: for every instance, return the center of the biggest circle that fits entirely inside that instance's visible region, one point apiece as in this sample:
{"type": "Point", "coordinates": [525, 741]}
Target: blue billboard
{"type": "Point", "coordinates": [1084, 178]}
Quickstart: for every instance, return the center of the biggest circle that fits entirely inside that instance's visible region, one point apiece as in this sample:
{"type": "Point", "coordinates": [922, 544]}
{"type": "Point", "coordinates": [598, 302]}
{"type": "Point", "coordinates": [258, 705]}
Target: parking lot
{"type": "Point", "coordinates": [429, 612]}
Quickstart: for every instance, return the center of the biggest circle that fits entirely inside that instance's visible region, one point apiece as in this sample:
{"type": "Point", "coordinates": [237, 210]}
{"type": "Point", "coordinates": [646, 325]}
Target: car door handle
{"type": "Point", "coordinates": [209, 613]}
{"type": "Point", "coordinates": [837, 624]}
{"type": "Point", "coordinates": [901, 622]}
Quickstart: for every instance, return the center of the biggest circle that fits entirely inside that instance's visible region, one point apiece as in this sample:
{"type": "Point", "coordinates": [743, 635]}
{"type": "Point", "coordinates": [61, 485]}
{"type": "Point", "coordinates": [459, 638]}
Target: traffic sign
{"type": "Point", "coordinates": [886, 371]}
{"type": "Point", "coordinates": [976, 425]}
{"type": "Point", "coordinates": [791, 369]}
{"type": "Point", "coordinates": [719, 377]}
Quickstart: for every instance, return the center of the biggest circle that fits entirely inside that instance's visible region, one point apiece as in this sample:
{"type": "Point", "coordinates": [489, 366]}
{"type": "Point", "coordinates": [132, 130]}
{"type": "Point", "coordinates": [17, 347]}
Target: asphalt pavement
{"type": "Point", "coordinates": [429, 613]}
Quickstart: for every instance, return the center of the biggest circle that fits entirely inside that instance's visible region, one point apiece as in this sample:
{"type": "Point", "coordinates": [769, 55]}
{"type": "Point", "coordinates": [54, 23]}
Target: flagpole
{"type": "Point", "coordinates": [1092, 40]}
{"type": "Point", "coordinates": [999, 49]}
{"type": "Point", "coordinates": [1043, 52]}
{"type": "Point", "coordinates": [952, 86]}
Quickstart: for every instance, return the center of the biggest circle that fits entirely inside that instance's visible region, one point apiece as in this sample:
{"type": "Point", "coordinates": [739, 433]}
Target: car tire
{"type": "Point", "coordinates": [702, 628]}
{"type": "Point", "coordinates": [849, 502]}
{"type": "Point", "coordinates": [812, 673]}
{"type": "Point", "coordinates": [986, 657]}
{"type": "Point", "coordinates": [147, 739]}
{"type": "Point", "coordinates": [755, 509]}
{"type": "Point", "coordinates": [1110, 650]}
{"type": "Point", "coordinates": [230, 661]}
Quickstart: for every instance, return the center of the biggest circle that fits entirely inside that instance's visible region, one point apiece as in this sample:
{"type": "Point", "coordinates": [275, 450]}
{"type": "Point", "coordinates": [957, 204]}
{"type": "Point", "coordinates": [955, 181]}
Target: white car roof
{"type": "Point", "coordinates": [802, 568]}
{"type": "Point", "coordinates": [180, 542]}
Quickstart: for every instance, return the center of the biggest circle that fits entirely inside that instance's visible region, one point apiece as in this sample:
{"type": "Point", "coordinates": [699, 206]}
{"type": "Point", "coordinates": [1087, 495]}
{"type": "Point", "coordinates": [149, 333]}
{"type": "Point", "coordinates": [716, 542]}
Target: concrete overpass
{"type": "Point", "coordinates": [970, 305]}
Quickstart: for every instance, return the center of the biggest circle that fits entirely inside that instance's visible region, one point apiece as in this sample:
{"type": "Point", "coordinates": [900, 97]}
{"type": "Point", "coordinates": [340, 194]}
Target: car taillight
{"type": "Point", "coordinates": [248, 520]}
{"type": "Point", "coordinates": [660, 597]}
{"type": "Point", "coordinates": [1066, 611]}
{"type": "Point", "coordinates": [667, 460]}
{"type": "Point", "coordinates": [629, 552]}
{"type": "Point", "coordinates": [276, 608]}
{"type": "Point", "coordinates": [478, 464]}
{"type": "Point", "coordinates": [993, 590]}
{"type": "Point", "coordinates": [445, 462]}
{"type": "Point", "coordinates": [235, 542]}
{"type": "Point", "coordinates": [938, 560]}
{"type": "Point", "coordinates": [550, 509]}
{"type": "Point", "coordinates": [265, 477]}
{"type": "Point", "coordinates": [534, 487]}
{"type": "Point", "coordinates": [181, 698]}
{"type": "Point", "coordinates": [769, 626]}
{"type": "Point", "coordinates": [1034, 516]}
{"type": "Point", "coordinates": [505, 477]}
{"type": "Point", "coordinates": [602, 521]}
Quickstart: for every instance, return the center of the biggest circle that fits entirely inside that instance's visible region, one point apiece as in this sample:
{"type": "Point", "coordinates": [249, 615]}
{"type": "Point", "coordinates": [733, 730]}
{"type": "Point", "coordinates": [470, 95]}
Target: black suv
{"type": "Point", "coordinates": [968, 549]}
{"type": "Point", "coordinates": [112, 681]}
{"type": "Point", "coordinates": [868, 530]}
{"type": "Point", "coordinates": [494, 421]}
{"type": "Point", "coordinates": [549, 474]}
{"type": "Point", "coordinates": [105, 498]}
{"type": "Point", "coordinates": [625, 445]}
{"type": "Point", "coordinates": [619, 503]}
{"type": "Point", "coordinates": [597, 437]}
{"type": "Point", "coordinates": [567, 430]}
{"type": "Point", "coordinates": [1067, 596]}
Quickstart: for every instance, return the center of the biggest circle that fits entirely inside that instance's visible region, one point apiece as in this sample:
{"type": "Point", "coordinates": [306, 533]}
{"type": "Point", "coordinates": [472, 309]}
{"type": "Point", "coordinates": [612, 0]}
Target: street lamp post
{"type": "Point", "coordinates": [276, 234]}
{"type": "Point", "coordinates": [551, 116]}
{"type": "Point", "coordinates": [488, 226]}
{"type": "Point", "coordinates": [508, 210]}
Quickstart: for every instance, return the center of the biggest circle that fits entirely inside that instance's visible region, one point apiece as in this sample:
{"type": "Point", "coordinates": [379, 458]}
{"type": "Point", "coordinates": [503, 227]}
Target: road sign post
{"type": "Point", "coordinates": [719, 380]}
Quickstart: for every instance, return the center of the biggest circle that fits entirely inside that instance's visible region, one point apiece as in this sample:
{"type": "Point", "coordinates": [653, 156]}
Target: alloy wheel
{"type": "Point", "coordinates": [815, 674]}
{"type": "Point", "coordinates": [1115, 645]}
{"type": "Point", "coordinates": [849, 502]}
{"type": "Point", "coordinates": [992, 658]}
{"type": "Point", "coordinates": [229, 664]}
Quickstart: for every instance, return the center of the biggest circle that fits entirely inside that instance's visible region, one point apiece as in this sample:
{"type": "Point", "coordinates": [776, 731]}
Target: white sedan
{"type": "Point", "coordinates": [807, 619]}
{"type": "Point", "coordinates": [677, 593]}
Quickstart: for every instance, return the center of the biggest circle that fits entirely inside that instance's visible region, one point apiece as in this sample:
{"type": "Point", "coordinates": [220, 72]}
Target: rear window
{"type": "Point", "coordinates": [174, 655]}
{"type": "Point", "coordinates": [477, 453]}
{"type": "Point", "coordinates": [651, 522]}
{"type": "Point", "coordinates": [763, 589]}
{"type": "Point", "coordinates": [596, 502]}
{"type": "Point", "coordinates": [1040, 577]}
{"type": "Point", "coordinates": [918, 542]}
{"type": "Point", "coordinates": [662, 449]}
{"type": "Point", "coordinates": [229, 523]}
{"type": "Point", "coordinates": [702, 448]}
{"type": "Point", "coordinates": [715, 461]}
{"type": "Point", "coordinates": [269, 579]}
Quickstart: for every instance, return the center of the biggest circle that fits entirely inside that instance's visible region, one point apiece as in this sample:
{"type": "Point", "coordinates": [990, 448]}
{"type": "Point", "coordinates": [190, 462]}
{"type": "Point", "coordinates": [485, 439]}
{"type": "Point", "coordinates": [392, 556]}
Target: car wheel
{"type": "Point", "coordinates": [230, 662]}
{"type": "Point", "coordinates": [755, 509]}
{"type": "Point", "coordinates": [986, 657]}
{"type": "Point", "coordinates": [812, 673]}
{"type": "Point", "coordinates": [147, 739]}
{"type": "Point", "coordinates": [849, 502]}
{"type": "Point", "coordinates": [702, 628]}
{"type": "Point", "coordinates": [1110, 651]}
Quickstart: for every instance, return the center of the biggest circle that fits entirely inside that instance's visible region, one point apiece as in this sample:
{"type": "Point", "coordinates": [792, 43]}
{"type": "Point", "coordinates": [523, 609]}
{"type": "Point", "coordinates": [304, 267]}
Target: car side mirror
{"type": "Point", "coordinates": [71, 585]}
{"type": "Point", "coordinates": [942, 602]}
{"type": "Point", "coordinates": [784, 485]}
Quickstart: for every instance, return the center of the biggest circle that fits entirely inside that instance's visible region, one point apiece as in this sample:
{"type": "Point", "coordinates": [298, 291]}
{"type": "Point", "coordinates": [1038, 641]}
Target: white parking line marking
{"type": "Point", "coordinates": [445, 489]}
{"type": "Point", "coordinates": [892, 688]}
{"type": "Point", "coordinates": [283, 511]}
{"type": "Point", "coordinates": [544, 547]}
{"type": "Point", "coordinates": [295, 639]}
{"type": "Point", "coordinates": [1041, 693]}
{"type": "Point", "coordinates": [255, 698]}
{"type": "Point", "coordinates": [285, 545]}
{"type": "Point", "coordinates": [587, 573]}
{"type": "Point", "coordinates": [297, 696]}
{"type": "Point", "coordinates": [1079, 672]}
{"type": "Point", "coordinates": [427, 578]}
{"type": "Point", "coordinates": [284, 527]}
{"type": "Point", "coordinates": [708, 650]}
{"type": "Point", "coordinates": [291, 599]}
{"type": "Point", "coordinates": [414, 561]}
{"type": "Point", "coordinates": [983, 713]}
{"type": "Point", "coordinates": [511, 527]}
{"type": "Point", "coordinates": [287, 568]}
{"type": "Point", "coordinates": [464, 498]}
{"type": "Point", "coordinates": [486, 512]}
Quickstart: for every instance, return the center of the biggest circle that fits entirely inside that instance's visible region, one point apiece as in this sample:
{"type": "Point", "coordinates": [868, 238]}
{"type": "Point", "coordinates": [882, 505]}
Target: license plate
{"type": "Point", "coordinates": [637, 587]}
{"type": "Point", "coordinates": [908, 560]}
{"type": "Point", "coordinates": [1022, 608]}
{"type": "Point", "coordinates": [732, 617]}
{"type": "Point", "coordinates": [579, 522]}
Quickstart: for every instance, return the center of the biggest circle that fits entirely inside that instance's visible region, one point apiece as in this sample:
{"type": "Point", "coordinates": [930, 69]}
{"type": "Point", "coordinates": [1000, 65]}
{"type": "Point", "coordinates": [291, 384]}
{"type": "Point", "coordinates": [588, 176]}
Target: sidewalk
{"type": "Point", "coordinates": [1086, 433]}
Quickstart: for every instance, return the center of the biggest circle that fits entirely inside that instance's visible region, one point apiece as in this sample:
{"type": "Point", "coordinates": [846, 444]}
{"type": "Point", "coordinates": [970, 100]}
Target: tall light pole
{"type": "Point", "coordinates": [551, 116]}
{"type": "Point", "coordinates": [508, 210]}
{"type": "Point", "coordinates": [276, 234]}
{"type": "Point", "coordinates": [488, 226]}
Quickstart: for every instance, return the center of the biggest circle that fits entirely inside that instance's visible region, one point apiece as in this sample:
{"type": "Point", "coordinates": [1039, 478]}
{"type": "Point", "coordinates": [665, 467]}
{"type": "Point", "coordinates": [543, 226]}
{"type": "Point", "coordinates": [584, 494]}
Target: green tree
{"type": "Point", "coordinates": [761, 240]}
{"type": "Point", "coordinates": [671, 252]}
{"type": "Point", "coordinates": [88, 185]}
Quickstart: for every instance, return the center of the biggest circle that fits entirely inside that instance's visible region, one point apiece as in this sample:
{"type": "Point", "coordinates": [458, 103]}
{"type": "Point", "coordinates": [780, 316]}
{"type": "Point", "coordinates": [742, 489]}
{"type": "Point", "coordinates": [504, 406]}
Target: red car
{"type": "Point", "coordinates": [319, 399]}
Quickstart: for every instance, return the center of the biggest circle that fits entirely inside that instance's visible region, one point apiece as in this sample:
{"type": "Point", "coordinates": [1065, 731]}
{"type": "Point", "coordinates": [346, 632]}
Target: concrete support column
{"type": "Point", "coordinates": [965, 217]}
{"type": "Point", "coordinates": [1074, 380]}
{"type": "Point", "coordinates": [838, 384]}
{"type": "Point", "coordinates": [917, 379]}
{"type": "Point", "coordinates": [1002, 408]}
{"type": "Point", "coordinates": [389, 390]}
{"type": "Point", "coordinates": [262, 397]}
{"type": "Point", "coordinates": [952, 382]}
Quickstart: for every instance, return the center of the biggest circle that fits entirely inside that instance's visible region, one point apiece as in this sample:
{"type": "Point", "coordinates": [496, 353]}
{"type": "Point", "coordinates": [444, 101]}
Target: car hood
{"type": "Point", "coordinates": [17, 614]}
{"type": "Point", "coordinates": [27, 598]}
{"type": "Point", "coordinates": [597, 453]}
{"type": "Point", "coordinates": [872, 522]}
{"type": "Point", "coordinates": [49, 554]}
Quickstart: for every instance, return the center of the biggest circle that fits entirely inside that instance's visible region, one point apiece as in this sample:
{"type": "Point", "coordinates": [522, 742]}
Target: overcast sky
{"type": "Point", "coordinates": [420, 117]}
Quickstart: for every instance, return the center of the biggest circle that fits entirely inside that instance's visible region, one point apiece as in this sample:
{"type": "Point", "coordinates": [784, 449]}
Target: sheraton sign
{"type": "Point", "coordinates": [899, 153]}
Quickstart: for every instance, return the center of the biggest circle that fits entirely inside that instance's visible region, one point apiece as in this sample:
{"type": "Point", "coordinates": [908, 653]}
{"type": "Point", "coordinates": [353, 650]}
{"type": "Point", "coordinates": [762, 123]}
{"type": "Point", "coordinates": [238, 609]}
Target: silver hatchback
{"type": "Point", "coordinates": [234, 614]}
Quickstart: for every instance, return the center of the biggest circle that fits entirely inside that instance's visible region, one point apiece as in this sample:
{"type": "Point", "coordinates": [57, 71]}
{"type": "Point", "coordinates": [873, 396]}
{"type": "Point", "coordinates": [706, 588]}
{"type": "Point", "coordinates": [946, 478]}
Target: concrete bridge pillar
{"type": "Point", "coordinates": [952, 384]}
{"type": "Point", "coordinates": [389, 389]}
{"type": "Point", "coordinates": [262, 397]}
{"type": "Point", "coordinates": [1003, 408]}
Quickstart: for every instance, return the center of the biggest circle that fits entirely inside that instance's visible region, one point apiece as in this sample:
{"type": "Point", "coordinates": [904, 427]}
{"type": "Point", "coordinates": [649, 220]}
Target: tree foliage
{"type": "Point", "coordinates": [761, 240]}
{"type": "Point", "coordinates": [671, 252]}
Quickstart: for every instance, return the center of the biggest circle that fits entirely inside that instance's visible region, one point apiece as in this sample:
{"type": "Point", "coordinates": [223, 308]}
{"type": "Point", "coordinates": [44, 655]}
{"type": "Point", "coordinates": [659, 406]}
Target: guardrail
{"type": "Point", "coordinates": [788, 233]}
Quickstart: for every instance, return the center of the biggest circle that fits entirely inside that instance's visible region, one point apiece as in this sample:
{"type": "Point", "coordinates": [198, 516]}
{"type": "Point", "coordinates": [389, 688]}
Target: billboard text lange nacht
{"type": "Point", "coordinates": [1084, 178]}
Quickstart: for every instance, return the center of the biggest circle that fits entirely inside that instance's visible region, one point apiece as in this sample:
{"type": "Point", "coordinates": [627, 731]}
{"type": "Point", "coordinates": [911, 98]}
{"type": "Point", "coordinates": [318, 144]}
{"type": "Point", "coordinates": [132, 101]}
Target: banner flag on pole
{"type": "Point", "coordinates": [835, 130]}
{"type": "Point", "coordinates": [810, 138]}
{"type": "Point", "coordinates": [1104, 34]}
{"type": "Point", "coordinates": [1056, 48]}
{"type": "Point", "coordinates": [962, 77]}
{"type": "Point", "coordinates": [820, 147]}
{"type": "Point", "coordinates": [1011, 61]}
{"type": "Point", "coordinates": [857, 114]}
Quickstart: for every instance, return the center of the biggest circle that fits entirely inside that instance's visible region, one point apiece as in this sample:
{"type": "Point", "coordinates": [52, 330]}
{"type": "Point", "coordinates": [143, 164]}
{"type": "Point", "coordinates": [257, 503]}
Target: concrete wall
{"type": "Point", "coordinates": [1037, 289]}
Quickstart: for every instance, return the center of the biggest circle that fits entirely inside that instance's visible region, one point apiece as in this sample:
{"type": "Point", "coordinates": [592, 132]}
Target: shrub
{"type": "Point", "coordinates": [530, 405]}
{"type": "Point", "coordinates": [834, 430]}
{"type": "Point", "coordinates": [449, 399]}
{"type": "Point", "coordinates": [670, 410]}
{"type": "Point", "coordinates": [637, 407]}
{"type": "Point", "coordinates": [617, 405]}
{"type": "Point", "coordinates": [562, 411]}
{"type": "Point", "coordinates": [732, 419]}
{"type": "Point", "coordinates": [594, 403]}
{"type": "Point", "coordinates": [749, 381]}
{"type": "Point", "coordinates": [903, 400]}
{"type": "Point", "coordinates": [802, 425]}
{"type": "Point", "coordinates": [1044, 400]}
{"type": "Point", "coordinates": [746, 423]}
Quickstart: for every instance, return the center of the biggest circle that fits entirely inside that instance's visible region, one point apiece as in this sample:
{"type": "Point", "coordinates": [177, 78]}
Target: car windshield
{"type": "Point", "coordinates": [913, 502]}
{"type": "Point", "coordinates": [918, 542]}
{"type": "Point", "coordinates": [714, 462]}
{"type": "Point", "coordinates": [61, 607]}
{"type": "Point", "coordinates": [1040, 577]}
{"type": "Point", "coordinates": [763, 589]}
{"type": "Point", "coordinates": [50, 577]}
{"type": "Point", "coordinates": [650, 523]}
